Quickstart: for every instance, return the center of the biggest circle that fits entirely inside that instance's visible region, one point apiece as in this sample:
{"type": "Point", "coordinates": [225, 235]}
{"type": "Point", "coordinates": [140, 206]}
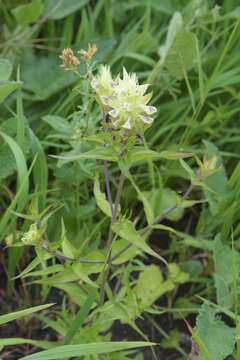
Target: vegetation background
{"type": "Point", "coordinates": [189, 52]}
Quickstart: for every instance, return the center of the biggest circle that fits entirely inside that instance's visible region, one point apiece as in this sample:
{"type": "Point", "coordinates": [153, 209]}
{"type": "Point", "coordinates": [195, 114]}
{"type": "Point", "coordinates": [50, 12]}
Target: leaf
{"type": "Point", "coordinates": [182, 53]}
{"type": "Point", "coordinates": [141, 153]}
{"type": "Point", "coordinates": [93, 268]}
{"type": "Point", "coordinates": [185, 307]}
{"type": "Point", "coordinates": [99, 153]}
{"type": "Point", "coordinates": [29, 13]}
{"type": "Point", "coordinates": [7, 161]}
{"type": "Point", "coordinates": [16, 315]}
{"type": "Point", "coordinates": [67, 351]}
{"type": "Point", "coordinates": [17, 341]}
{"type": "Point", "coordinates": [5, 69]}
{"type": "Point", "coordinates": [176, 275]}
{"type": "Point", "coordinates": [168, 199]}
{"type": "Point", "coordinates": [78, 269]}
{"type": "Point", "coordinates": [223, 272]}
{"type": "Point", "coordinates": [65, 8]}
{"type": "Point", "coordinates": [164, 6]}
{"type": "Point", "coordinates": [217, 337]}
{"type": "Point", "coordinates": [147, 206]}
{"type": "Point", "coordinates": [172, 341]}
{"type": "Point", "coordinates": [127, 231]}
{"type": "Point", "coordinates": [100, 197]}
{"type": "Point", "coordinates": [217, 181]}
{"type": "Point", "coordinates": [193, 267]}
{"type": "Point", "coordinates": [23, 181]}
{"type": "Point", "coordinates": [80, 317]}
{"type": "Point", "coordinates": [179, 49]}
{"type": "Point", "coordinates": [119, 245]}
{"type": "Point", "coordinates": [58, 123]}
{"type": "Point", "coordinates": [175, 26]}
{"type": "Point", "coordinates": [7, 87]}
{"type": "Point", "coordinates": [150, 285]}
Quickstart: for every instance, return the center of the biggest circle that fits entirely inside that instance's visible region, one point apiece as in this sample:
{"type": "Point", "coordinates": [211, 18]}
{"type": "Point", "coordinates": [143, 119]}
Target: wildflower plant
{"type": "Point", "coordinates": [125, 116]}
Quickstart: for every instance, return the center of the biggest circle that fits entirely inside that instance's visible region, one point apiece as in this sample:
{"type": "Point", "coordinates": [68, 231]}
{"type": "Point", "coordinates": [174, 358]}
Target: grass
{"type": "Point", "coordinates": [196, 93]}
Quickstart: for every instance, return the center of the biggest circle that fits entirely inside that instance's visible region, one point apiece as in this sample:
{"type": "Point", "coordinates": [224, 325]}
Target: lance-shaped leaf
{"type": "Point", "coordinates": [98, 154]}
{"type": "Point", "coordinates": [141, 153]}
{"type": "Point", "coordinates": [126, 230]}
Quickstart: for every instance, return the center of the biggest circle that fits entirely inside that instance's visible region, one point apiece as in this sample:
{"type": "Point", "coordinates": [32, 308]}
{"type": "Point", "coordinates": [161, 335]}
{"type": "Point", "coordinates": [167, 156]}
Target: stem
{"type": "Point", "coordinates": [107, 180]}
{"type": "Point", "coordinates": [110, 237]}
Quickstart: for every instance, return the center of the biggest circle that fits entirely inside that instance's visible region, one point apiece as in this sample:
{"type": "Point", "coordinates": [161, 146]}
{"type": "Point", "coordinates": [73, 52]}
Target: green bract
{"type": "Point", "coordinates": [124, 100]}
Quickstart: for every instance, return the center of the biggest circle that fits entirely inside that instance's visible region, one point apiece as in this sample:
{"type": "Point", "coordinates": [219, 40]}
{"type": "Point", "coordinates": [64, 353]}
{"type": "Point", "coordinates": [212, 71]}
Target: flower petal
{"type": "Point", "coordinates": [127, 124]}
{"type": "Point", "coordinates": [114, 113]}
{"type": "Point", "coordinates": [106, 100]}
{"type": "Point", "coordinates": [146, 119]}
{"type": "Point", "coordinates": [148, 109]}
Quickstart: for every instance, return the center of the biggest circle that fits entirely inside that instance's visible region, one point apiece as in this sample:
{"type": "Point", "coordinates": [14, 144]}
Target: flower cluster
{"type": "Point", "coordinates": [70, 61]}
{"type": "Point", "coordinates": [124, 100]}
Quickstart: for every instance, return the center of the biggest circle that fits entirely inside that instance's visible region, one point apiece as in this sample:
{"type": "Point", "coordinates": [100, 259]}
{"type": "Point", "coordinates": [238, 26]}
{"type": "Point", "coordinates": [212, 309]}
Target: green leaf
{"type": "Point", "coordinates": [127, 231]}
{"type": "Point", "coordinates": [176, 275]}
{"type": "Point", "coordinates": [163, 6]}
{"type": "Point", "coordinates": [172, 341]}
{"type": "Point", "coordinates": [217, 181]}
{"type": "Point", "coordinates": [17, 341]}
{"type": "Point", "coordinates": [78, 269]}
{"type": "Point", "coordinates": [184, 307]}
{"type": "Point", "coordinates": [216, 336]}
{"type": "Point", "coordinates": [119, 245]}
{"type": "Point", "coordinates": [179, 49]}
{"type": "Point", "coordinates": [7, 161]}
{"type": "Point", "coordinates": [7, 87]}
{"type": "Point", "coordinates": [29, 13]}
{"type": "Point", "coordinates": [223, 272]}
{"type": "Point", "coordinates": [150, 285]}
{"type": "Point", "coordinates": [141, 153]}
{"type": "Point", "coordinates": [175, 26]}
{"type": "Point", "coordinates": [168, 199]}
{"type": "Point", "coordinates": [16, 315]}
{"type": "Point", "coordinates": [100, 197]}
{"type": "Point", "coordinates": [65, 8]}
{"type": "Point", "coordinates": [100, 153]}
{"type": "Point", "coordinates": [147, 206]}
{"type": "Point", "coordinates": [67, 351]}
{"type": "Point", "coordinates": [182, 53]}
{"type": "Point", "coordinates": [5, 69]}
{"type": "Point", "coordinates": [58, 123]}
{"type": "Point", "coordinates": [23, 181]}
{"type": "Point", "coordinates": [193, 267]}
{"type": "Point", "coordinates": [80, 317]}
{"type": "Point", "coordinates": [93, 268]}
